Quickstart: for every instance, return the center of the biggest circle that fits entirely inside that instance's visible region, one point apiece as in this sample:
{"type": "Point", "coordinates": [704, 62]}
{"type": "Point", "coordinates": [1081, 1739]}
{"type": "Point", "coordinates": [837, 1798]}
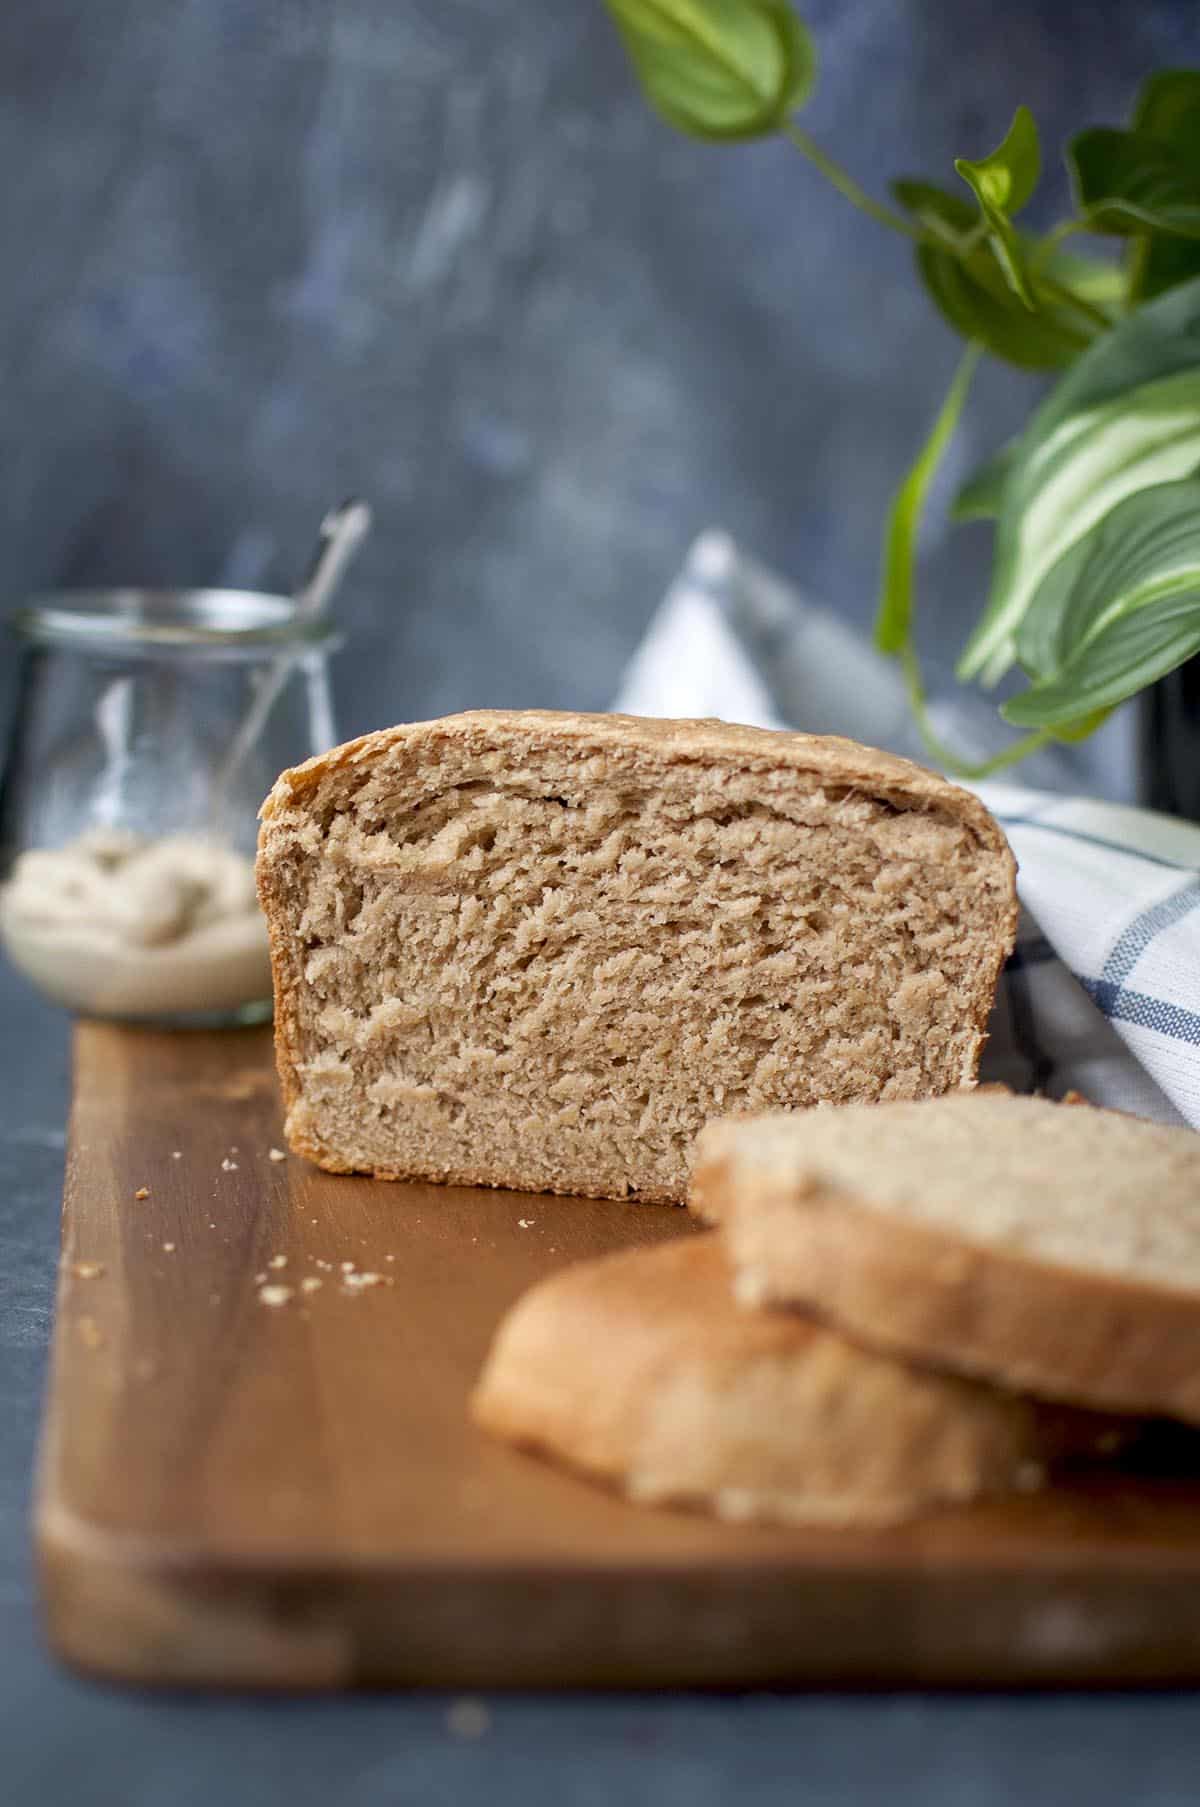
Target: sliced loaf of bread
{"type": "Point", "coordinates": [639, 1369]}
{"type": "Point", "coordinates": [540, 951]}
{"type": "Point", "coordinates": [1038, 1245]}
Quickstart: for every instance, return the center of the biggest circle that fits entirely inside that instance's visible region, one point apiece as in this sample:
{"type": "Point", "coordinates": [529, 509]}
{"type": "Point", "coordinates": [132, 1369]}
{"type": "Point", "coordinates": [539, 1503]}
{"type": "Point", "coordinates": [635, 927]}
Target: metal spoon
{"type": "Point", "coordinates": [342, 532]}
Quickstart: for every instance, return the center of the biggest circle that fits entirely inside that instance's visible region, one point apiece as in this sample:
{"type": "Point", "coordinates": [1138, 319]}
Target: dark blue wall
{"type": "Point", "coordinates": [259, 253]}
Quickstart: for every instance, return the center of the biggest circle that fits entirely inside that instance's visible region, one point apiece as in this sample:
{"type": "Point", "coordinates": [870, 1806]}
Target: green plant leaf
{"type": "Point", "coordinates": [1101, 281]}
{"type": "Point", "coordinates": [959, 269]}
{"type": "Point", "coordinates": [947, 216]}
{"type": "Point", "coordinates": [1143, 550]}
{"type": "Point", "coordinates": [1124, 417]}
{"type": "Point", "coordinates": [1123, 658]}
{"type": "Point", "coordinates": [973, 295]}
{"type": "Point", "coordinates": [893, 621]}
{"type": "Point", "coordinates": [1129, 182]}
{"type": "Point", "coordinates": [980, 497]}
{"type": "Point", "coordinates": [1160, 263]}
{"type": "Point", "coordinates": [1168, 107]}
{"type": "Point", "coordinates": [1002, 184]}
{"type": "Point", "coordinates": [718, 68]}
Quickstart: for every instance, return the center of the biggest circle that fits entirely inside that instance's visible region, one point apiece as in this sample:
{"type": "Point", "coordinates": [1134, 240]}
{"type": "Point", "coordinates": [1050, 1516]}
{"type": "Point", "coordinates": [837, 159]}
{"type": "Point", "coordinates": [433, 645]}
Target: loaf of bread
{"type": "Point", "coordinates": [640, 1369]}
{"type": "Point", "coordinates": [540, 951]}
{"type": "Point", "coordinates": [1039, 1245]}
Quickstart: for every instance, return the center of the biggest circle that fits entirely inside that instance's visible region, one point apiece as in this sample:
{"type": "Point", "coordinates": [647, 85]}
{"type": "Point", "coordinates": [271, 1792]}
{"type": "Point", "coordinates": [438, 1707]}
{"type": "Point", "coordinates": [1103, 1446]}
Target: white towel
{"type": "Point", "coordinates": [1103, 991]}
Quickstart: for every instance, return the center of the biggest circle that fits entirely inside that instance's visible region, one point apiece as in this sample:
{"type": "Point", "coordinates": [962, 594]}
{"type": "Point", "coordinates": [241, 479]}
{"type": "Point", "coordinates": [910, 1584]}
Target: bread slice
{"type": "Point", "coordinates": [640, 1369]}
{"type": "Point", "coordinates": [539, 950]}
{"type": "Point", "coordinates": [1044, 1246]}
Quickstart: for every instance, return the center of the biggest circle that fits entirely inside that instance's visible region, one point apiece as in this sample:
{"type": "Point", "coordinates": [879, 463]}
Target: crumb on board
{"type": "Point", "coordinates": [311, 1283]}
{"type": "Point", "coordinates": [168, 1248]}
{"type": "Point", "coordinates": [278, 1261]}
{"type": "Point", "coordinates": [526, 1223]}
{"type": "Point", "coordinates": [389, 1257]}
{"type": "Point", "coordinates": [354, 1283]}
{"type": "Point", "coordinates": [260, 1279]}
{"type": "Point", "coordinates": [90, 1333]}
{"type": "Point", "coordinates": [87, 1270]}
{"type": "Point", "coordinates": [347, 1267]}
{"type": "Point", "coordinates": [325, 1266]}
{"type": "Point", "coordinates": [177, 1154]}
{"type": "Point", "coordinates": [276, 1154]}
{"type": "Point", "coordinates": [467, 1718]}
{"type": "Point", "coordinates": [142, 1192]}
{"type": "Point", "coordinates": [228, 1166]}
{"type": "Point", "coordinates": [274, 1295]}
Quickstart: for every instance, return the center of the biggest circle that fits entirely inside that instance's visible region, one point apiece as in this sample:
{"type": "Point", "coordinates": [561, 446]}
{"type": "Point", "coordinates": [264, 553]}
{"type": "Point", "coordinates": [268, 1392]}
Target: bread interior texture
{"type": "Point", "coordinates": [529, 960]}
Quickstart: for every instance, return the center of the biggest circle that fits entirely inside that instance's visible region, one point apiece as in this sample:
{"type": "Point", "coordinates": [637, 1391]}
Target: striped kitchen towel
{"type": "Point", "coordinates": [1102, 993]}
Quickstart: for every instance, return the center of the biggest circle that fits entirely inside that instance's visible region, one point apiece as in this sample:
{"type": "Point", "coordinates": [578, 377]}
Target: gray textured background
{"type": "Point", "coordinates": [256, 255]}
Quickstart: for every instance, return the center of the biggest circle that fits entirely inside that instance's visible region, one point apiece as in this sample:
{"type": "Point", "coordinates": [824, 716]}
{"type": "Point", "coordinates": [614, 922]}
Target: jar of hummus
{"type": "Point", "coordinates": [149, 726]}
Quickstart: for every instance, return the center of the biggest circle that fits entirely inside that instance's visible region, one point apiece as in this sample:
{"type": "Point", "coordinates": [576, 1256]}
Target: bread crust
{"type": "Point", "coordinates": [883, 775]}
{"type": "Point", "coordinates": [639, 1370]}
{"type": "Point", "coordinates": [1087, 1337]}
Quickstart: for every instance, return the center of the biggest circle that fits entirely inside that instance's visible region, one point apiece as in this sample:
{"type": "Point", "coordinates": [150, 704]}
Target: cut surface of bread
{"type": "Point", "coordinates": [640, 1369]}
{"type": "Point", "coordinates": [1039, 1245]}
{"type": "Point", "coordinates": [540, 951]}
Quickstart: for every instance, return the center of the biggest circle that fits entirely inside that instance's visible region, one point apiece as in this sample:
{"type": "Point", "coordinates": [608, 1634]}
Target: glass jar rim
{"type": "Point", "coordinates": [148, 618]}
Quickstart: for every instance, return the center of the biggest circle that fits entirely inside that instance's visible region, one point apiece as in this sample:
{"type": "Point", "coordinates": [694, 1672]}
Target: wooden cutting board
{"type": "Point", "coordinates": [237, 1493]}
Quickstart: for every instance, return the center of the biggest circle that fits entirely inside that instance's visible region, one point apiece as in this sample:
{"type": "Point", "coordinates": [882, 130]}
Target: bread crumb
{"type": "Point", "coordinates": [357, 1282]}
{"type": "Point", "coordinates": [347, 1267]}
{"type": "Point", "coordinates": [90, 1333]}
{"type": "Point", "coordinates": [311, 1283]}
{"type": "Point", "coordinates": [526, 1223]}
{"type": "Point", "coordinates": [168, 1248]}
{"type": "Point", "coordinates": [278, 1261]}
{"type": "Point", "coordinates": [467, 1719]}
{"type": "Point", "coordinates": [277, 1154]}
{"type": "Point", "coordinates": [274, 1295]}
{"type": "Point", "coordinates": [389, 1257]}
{"type": "Point", "coordinates": [327, 1266]}
{"type": "Point", "coordinates": [142, 1192]}
{"type": "Point", "coordinates": [87, 1270]}
{"type": "Point", "coordinates": [228, 1166]}
{"type": "Point", "coordinates": [260, 1279]}
{"type": "Point", "coordinates": [177, 1154]}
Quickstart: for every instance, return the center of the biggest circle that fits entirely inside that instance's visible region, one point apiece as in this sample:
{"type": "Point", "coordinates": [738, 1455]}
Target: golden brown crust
{"type": "Point", "coordinates": [1086, 1337]}
{"type": "Point", "coordinates": [640, 1370]}
{"type": "Point", "coordinates": [680, 742]}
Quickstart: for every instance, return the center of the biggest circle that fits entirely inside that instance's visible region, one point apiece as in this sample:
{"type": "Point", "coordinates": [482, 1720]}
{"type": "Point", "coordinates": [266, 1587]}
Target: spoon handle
{"type": "Point", "coordinates": [342, 532]}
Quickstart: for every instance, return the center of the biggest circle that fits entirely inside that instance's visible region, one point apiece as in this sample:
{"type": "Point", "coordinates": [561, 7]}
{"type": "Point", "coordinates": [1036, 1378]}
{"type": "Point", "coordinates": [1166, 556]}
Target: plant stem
{"type": "Point", "coordinates": [1045, 248]}
{"type": "Point", "coordinates": [845, 184]}
{"type": "Point", "coordinates": [937, 748]}
{"type": "Point", "coordinates": [1057, 291]}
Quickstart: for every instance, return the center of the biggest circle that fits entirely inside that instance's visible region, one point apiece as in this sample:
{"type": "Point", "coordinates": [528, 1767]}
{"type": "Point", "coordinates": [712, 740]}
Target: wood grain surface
{"type": "Point", "coordinates": [232, 1493]}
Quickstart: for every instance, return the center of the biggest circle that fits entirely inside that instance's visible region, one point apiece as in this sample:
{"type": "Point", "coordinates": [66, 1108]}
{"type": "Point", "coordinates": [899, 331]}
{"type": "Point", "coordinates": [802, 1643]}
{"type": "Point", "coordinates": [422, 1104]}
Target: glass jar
{"type": "Point", "coordinates": [149, 726]}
